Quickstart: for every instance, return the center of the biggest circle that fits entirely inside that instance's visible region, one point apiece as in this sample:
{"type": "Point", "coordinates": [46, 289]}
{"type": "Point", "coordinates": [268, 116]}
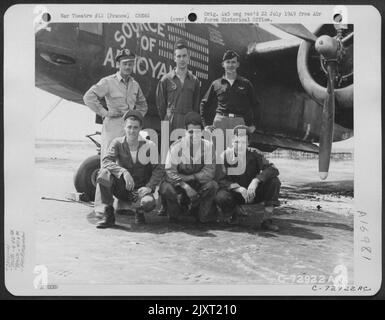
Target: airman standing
{"type": "Point", "coordinates": [178, 91]}
{"type": "Point", "coordinates": [232, 96]}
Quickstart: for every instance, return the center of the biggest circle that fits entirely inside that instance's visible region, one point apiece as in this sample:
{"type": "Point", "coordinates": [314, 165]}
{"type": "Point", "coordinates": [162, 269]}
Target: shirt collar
{"type": "Point", "coordinates": [231, 153]}
{"type": "Point", "coordinates": [140, 140]}
{"type": "Point", "coordinates": [233, 158]}
{"type": "Point", "coordinates": [185, 143]}
{"type": "Point", "coordinates": [185, 146]}
{"type": "Point", "coordinates": [188, 73]}
{"type": "Point", "coordinates": [236, 78]}
{"type": "Point", "coordinates": [120, 78]}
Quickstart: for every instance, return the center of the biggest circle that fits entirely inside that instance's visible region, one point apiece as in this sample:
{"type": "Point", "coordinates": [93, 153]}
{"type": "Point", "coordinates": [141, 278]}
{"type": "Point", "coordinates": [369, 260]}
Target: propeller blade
{"type": "Point", "coordinates": [327, 125]}
{"type": "Point", "coordinates": [346, 39]}
{"type": "Point", "coordinates": [297, 30]}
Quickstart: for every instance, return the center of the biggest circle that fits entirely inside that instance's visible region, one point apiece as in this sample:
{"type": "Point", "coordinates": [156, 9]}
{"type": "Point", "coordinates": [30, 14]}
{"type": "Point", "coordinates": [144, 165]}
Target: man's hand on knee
{"type": "Point", "coordinates": [130, 184]}
{"type": "Point", "coordinates": [252, 189]}
{"type": "Point", "coordinates": [190, 192]}
{"type": "Point", "coordinates": [143, 191]}
{"type": "Point", "coordinates": [243, 192]}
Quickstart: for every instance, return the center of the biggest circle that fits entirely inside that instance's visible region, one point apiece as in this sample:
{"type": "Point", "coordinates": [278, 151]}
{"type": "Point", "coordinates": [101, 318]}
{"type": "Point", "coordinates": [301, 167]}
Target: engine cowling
{"type": "Point", "coordinates": [344, 96]}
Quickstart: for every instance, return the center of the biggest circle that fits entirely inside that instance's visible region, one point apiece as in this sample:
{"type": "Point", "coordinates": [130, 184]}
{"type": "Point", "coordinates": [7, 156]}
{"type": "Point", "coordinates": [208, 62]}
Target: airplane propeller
{"type": "Point", "coordinates": [330, 50]}
{"type": "Point", "coordinates": [297, 30]}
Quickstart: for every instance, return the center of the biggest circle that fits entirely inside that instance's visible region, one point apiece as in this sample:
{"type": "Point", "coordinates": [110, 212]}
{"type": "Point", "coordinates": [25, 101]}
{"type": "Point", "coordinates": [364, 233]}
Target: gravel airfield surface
{"type": "Point", "coordinates": [315, 220]}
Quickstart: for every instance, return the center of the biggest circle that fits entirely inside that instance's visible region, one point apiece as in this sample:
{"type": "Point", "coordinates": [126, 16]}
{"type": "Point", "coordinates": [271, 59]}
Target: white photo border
{"type": "Point", "coordinates": [19, 143]}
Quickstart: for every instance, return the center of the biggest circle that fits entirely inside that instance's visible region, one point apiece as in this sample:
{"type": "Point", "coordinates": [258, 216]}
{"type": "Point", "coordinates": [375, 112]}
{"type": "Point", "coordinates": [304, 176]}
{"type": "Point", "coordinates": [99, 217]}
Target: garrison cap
{"type": "Point", "coordinates": [230, 54]}
{"type": "Point", "coordinates": [134, 113]}
{"type": "Point", "coordinates": [192, 118]}
{"type": "Point", "coordinates": [125, 54]}
{"type": "Point", "coordinates": [242, 127]}
{"type": "Point", "coordinates": [180, 43]}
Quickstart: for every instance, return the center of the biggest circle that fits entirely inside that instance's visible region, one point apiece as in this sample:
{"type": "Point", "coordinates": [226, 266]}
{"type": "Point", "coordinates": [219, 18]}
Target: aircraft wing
{"type": "Point", "coordinates": [52, 86]}
{"type": "Point", "coordinates": [265, 141]}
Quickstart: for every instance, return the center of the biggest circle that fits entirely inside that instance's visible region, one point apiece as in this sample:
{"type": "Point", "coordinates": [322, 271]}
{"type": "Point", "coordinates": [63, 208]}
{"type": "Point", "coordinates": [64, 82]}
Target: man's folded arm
{"type": "Point", "coordinates": [156, 177]}
{"type": "Point", "coordinates": [268, 171]}
{"type": "Point", "coordinates": [109, 160]}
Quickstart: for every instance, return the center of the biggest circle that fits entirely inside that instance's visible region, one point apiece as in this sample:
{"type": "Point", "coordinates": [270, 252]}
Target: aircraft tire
{"type": "Point", "coordinates": [85, 176]}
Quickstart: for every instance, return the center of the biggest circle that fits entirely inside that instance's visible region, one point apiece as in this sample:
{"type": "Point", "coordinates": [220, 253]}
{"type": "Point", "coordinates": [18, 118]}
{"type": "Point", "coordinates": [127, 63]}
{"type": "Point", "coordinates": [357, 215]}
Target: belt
{"type": "Point", "coordinates": [230, 115]}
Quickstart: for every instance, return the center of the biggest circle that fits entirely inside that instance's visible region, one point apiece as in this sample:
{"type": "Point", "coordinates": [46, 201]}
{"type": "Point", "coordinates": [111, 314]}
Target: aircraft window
{"type": "Point", "coordinates": [95, 28]}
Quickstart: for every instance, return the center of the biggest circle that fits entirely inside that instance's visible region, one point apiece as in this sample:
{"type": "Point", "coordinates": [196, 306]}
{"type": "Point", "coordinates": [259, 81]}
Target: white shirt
{"type": "Point", "coordinates": [230, 80]}
{"type": "Point", "coordinates": [133, 155]}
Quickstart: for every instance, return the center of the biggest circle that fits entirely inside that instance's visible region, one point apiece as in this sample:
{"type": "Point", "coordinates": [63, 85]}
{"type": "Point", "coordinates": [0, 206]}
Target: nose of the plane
{"type": "Point", "coordinates": [57, 44]}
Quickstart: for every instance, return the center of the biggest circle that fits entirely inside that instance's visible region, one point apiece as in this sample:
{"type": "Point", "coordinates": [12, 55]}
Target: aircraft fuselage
{"type": "Point", "coordinates": [72, 57]}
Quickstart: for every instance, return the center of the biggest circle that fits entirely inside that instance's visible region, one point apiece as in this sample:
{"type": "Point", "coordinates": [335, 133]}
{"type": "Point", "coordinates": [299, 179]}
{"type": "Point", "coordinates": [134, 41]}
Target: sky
{"type": "Point", "coordinates": [67, 121]}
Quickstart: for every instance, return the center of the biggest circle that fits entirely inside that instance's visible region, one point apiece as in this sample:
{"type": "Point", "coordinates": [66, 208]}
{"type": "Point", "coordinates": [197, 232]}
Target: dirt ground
{"type": "Point", "coordinates": [315, 220]}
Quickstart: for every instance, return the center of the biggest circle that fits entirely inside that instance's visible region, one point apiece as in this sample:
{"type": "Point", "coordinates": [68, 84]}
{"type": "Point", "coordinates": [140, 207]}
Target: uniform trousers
{"type": "Point", "coordinates": [267, 192]}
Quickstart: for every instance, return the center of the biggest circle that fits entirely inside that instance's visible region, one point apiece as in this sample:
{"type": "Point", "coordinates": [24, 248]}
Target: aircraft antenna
{"type": "Point", "coordinates": [54, 106]}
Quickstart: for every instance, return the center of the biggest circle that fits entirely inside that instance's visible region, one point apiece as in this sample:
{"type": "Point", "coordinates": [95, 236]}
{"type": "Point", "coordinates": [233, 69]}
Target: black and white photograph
{"type": "Point", "coordinates": [212, 152]}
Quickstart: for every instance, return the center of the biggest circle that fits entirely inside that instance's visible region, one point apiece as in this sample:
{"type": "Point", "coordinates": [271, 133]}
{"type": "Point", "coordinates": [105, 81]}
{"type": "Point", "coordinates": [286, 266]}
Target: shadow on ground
{"type": "Point", "coordinates": [160, 225]}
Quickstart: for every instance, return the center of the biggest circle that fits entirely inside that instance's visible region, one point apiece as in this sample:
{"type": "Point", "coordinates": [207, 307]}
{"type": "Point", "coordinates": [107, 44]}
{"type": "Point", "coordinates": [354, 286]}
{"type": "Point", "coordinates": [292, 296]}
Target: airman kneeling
{"type": "Point", "coordinates": [127, 173]}
{"type": "Point", "coordinates": [190, 169]}
{"type": "Point", "coordinates": [258, 181]}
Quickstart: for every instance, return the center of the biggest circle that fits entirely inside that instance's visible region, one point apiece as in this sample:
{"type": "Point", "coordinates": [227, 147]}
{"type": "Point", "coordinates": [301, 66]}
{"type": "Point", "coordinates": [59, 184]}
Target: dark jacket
{"type": "Point", "coordinates": [239, 99]}
{"type": "Point", "coordinates": [202, 165]}
{"type": "Point", "coordinates": [118, 160]}
{"type": "Point", "coordinates": [171, 94]}
{"type": "Point", "coordinates": [256, 167]}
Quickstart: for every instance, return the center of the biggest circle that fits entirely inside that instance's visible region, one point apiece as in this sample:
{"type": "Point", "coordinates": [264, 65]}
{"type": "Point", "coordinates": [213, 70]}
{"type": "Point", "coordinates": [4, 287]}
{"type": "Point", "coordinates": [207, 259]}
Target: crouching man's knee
{"type": "Point", "coordinates": [105, 178]}
{"type": "Point", "coordinates": [167, 190]}
{"type": "Point", "coordinates": [275, 182]}
{"type": "Point", "coordinates": [148, 203]}
{"type": "Point", "coordinates": [272, 192]}
{"type": "Point", "coordinates": [225, 201]}
{"type": "Point", "coordinates": [210, 187]}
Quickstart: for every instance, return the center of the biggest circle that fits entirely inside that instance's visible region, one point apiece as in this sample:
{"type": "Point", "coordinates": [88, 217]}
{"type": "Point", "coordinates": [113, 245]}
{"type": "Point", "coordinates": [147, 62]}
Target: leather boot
{"type": "Point", "coordinates": [162, 212]}
{"type": "Point", "coordinates": [108, 218]}
{"type": "Point", "coordinates": [237, 213]}
{"type": "Point", "coordinates": [124, 212]}
{"type": "Point", "coordinates": [139, 217]}
{"type": "Point", "coordinates": [268, 225]}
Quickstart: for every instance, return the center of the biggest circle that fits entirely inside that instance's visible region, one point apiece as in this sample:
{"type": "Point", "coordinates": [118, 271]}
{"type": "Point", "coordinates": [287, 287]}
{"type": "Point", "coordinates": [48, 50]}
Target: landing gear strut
{"type": "Point", "coordinates": [86, 174]}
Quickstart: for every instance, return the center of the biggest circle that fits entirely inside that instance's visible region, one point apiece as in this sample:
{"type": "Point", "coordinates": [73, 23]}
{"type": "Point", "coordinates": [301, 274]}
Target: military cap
{"type": "Point", "coordinates": [192, 118]}
{"type": "Point", "coordinates": [134, 113]}
{"type": "Point", "coordinates": [125, 54]}
{"type": "Point", "coordinates": [180, 43]}
{"type": "Point", "coordinates": [242, 127]}
{"type": "Point", "coordinates": [230, 54]}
